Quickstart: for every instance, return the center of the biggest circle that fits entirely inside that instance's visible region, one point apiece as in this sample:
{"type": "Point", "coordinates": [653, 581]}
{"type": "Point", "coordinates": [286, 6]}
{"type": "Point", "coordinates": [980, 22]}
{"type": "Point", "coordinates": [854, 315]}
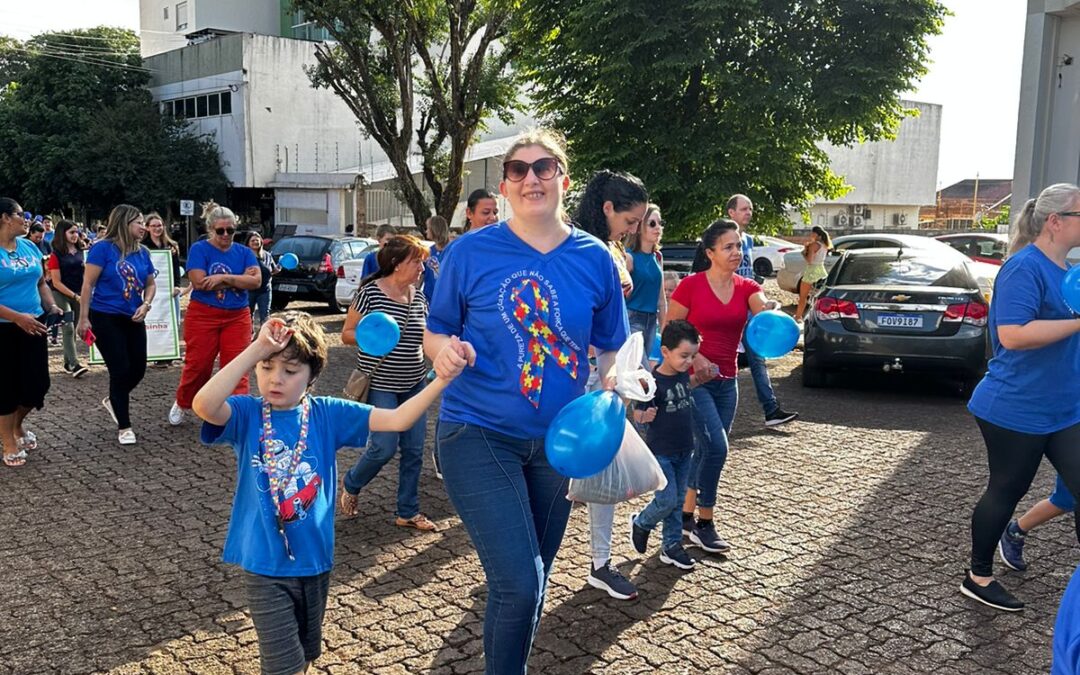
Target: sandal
{"type": "Point", "coordinates": [417, 522]}
{"type": "Point", "coordinates": [28, 442]}
{"type": "Point", "coordinates": [348, 503]}
{"type": "Point", "coordinates": [17, 459]}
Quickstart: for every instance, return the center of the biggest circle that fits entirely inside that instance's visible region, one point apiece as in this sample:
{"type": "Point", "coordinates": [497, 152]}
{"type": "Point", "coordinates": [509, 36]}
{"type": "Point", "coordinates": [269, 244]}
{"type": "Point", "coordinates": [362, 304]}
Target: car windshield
{"type": "Point", "coordinates": [905, 271]}
{"type": "Point", "coordinates": [304, 248]}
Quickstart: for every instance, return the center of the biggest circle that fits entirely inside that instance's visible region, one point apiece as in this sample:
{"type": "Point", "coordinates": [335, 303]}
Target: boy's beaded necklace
{"type": "Point", "coordinates": [278, 478]}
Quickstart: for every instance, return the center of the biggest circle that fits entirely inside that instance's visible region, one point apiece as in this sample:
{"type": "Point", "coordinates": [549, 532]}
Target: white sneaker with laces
{"type": "Point", "coordinates": [126, 437]}
{"type": "Point", "coordinates": [176, 414]}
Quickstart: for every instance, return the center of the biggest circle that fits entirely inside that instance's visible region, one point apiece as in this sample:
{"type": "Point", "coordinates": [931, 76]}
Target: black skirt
{"type": "Point", "coordinates": [26, 371]}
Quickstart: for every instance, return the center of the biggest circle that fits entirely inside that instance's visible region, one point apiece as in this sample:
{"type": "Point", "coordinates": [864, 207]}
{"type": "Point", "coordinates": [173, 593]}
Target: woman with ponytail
{"type": "Point", "coordinates": [395, 377]}
{"type": "Point", "coordinates": [1028, 404]}
{"type": "Point", "coordinates": [613, 206]}
{"type": "Point", "coordinates": [218, 322]}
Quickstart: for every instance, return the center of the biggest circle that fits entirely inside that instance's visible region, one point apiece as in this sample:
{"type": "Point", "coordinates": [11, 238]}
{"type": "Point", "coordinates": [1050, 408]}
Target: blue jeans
{"type": "Point", "coordinates": [382, 446]}
{"type": "Point", "coordinates": [514, 507]}
{"type": "Point", "coordinates": [714, 412]}
{"type": "Point", "coordinates": [666, 506]}
{"type": "Point", "coordinates": [644, 323]}
{"type": "Point", "coordinates": [762, 383]}
{"type": "Point", "coordinates": [261, 300]}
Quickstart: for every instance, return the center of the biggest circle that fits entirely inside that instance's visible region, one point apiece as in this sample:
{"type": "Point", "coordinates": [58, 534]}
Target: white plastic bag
{"type": "Point", "coordinates": [632, 473]}
{"type": "Point", "coordinates": [631, 380]}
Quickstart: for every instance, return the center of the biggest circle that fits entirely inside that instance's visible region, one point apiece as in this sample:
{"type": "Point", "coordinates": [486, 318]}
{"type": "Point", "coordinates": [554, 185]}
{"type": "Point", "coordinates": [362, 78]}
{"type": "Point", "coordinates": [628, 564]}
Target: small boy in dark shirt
{"type": "Point", "coordinates": [670, 436]}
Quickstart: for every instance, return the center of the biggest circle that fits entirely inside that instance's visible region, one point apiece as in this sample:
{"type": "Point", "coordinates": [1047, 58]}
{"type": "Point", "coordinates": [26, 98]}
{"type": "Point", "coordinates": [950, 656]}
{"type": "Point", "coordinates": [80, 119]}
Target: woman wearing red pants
{"type": "Point", "coordinates": [218, 322]}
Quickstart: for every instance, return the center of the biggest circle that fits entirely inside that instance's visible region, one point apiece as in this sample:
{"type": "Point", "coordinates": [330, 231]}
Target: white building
{"type": "Point", "coordinates": [1048, 128]}
{"type": "Point", "coordinates": [890, 180]}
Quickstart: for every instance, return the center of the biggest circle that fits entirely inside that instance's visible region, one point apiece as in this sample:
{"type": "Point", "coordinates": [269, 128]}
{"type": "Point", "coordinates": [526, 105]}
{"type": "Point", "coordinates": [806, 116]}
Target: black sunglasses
{"type": "Point", "coordinates": [225, 230]}
{"type": "Point", "coordinates": [656, 223]}
{"type": "Point", "coordinates": [1068, 213]}
{"type": "Point", "coordinates": [546, 168]}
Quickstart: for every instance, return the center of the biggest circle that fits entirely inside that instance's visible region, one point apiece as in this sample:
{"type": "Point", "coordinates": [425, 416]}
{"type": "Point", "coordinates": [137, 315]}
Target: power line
{"type": "Point", "coordinates": [86, 61]}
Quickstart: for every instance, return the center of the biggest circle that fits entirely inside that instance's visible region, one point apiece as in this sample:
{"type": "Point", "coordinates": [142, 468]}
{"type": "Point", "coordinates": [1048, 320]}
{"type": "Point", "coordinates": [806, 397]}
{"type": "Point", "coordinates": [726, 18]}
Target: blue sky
{"type": "Point", "coordinates": [974, 73]}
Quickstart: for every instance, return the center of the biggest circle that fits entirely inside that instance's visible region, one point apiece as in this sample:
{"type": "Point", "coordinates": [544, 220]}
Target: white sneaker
{"type": "Point", "coordinates": [126, 437]}
{"type": "Point", "coordinates": [108, 407]}
{"type": "Point", "coordinates": [176, 414]}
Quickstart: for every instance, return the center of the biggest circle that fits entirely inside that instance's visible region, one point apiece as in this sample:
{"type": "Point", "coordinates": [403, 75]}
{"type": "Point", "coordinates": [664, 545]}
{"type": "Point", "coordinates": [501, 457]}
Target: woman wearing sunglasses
{"type": "Point", "coordinates": [512, 304]}
{"type": "Point", "coordinates": [647, 303]}
{"type": "Point", "coordinates": [218, 321]}
{"type": "Point", "coordinates": [119, 282]}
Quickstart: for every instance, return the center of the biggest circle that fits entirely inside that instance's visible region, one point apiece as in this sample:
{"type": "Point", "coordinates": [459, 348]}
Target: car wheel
{"type": "Point", "coordinates": [279, 302]}
{"type": "Point", "coordinates": [336, 306]}
{"type": "Point", "coordinates": [814, 377]}
{"type": "Point", "coordinates": [763, 267]}
{"type": "Point", "coordinates": [968, 382]}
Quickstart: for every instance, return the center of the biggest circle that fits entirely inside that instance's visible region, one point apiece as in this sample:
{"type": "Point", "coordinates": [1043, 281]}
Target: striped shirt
{"type": "Point", "coordinates": [404, 367]}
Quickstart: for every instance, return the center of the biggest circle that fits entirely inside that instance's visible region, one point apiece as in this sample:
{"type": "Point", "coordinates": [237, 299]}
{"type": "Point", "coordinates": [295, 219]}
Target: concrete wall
{"type": "Point", "coordinates": [159, 34]}
{"type": "Point", "coordinates": [1048, 125]}
{"type": "Point", "coordinates": [902, 171]}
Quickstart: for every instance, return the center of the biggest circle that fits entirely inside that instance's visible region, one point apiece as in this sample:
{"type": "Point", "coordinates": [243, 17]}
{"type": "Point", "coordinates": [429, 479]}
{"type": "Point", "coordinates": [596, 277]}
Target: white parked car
{"type": "Point", "coordinates": [788, 277]}
{"type": "Point", "coordinates": [769, 254]}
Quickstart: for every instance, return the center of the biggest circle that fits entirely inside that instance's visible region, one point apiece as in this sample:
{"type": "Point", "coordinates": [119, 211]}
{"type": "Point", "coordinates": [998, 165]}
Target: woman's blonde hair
{"type": "Point", "coordinates": [154, 215]}
{"type": "Point", "coordinates": [117, 230]}
{"type": "Point", "coordinates": [213, 212]}
{"type": "Point", "coordinates": [634, 239]}
{"type": "Point", "coordinates": [1032, 218]}
{"type": "Point", "coordinates": [440, 230]}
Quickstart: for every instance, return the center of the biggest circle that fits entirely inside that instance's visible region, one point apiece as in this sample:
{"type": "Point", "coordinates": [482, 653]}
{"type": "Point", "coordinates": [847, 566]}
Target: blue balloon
{"type": "Point", "coordinates": [772, 334]}
{"type": "Point", "coordinates": [289, 261]}
{"type": "Point", "coordinates": [654, 353]}
{"type": "Point", "coordinates": [377, 334]}
{"type": "Point", "coordinates": [586, 434]}
{"type": "Point", "coordinates": [1070, 288]}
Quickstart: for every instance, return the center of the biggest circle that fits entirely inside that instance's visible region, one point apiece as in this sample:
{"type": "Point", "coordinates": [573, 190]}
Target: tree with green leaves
{"type": "Point", "coordinates": [421, 76]}
{"type": "Point", "coordinates": [705, 98]}
{"type": "Point", "coordinates": [80, 132]}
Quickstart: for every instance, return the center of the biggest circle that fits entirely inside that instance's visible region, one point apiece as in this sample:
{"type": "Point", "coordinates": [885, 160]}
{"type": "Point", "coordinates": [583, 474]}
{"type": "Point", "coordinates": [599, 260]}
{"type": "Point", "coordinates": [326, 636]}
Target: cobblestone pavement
{"type": "Point", "coordinates": [850, 532]}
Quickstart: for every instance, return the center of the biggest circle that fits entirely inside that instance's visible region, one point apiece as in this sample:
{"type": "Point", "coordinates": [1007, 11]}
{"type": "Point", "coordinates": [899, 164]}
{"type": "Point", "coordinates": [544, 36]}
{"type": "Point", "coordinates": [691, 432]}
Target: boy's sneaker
{"type": "Point", "coordinates": [176, 414]}
{"type": "Point", "coordinates": [992, 595]}
{"type": "Point", "coordinates": [778, 417]}
{"type": "Point", "coordinates": [639, 536]}
{"type": "Point", "coordinates": [677, 556]}
{"type": "Point", "coordinates": [108, 407]}
{"type": "Point", "coordinates": [704, 535]}
{"type": "Point", "coordinates": [687, 523]}
{"type": "Point", "coordinates": [1011, 547]}
{"type": "Point", "coordinates": [609, 578]}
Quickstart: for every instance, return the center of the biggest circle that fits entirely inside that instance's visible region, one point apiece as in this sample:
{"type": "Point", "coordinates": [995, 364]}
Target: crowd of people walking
{"type": "Point", "coordinates": [509, 323]}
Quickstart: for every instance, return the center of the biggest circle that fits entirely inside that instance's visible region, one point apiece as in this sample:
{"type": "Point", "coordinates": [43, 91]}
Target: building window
{"type": "Point", "coordinates": [197, 107]}
{"type": "Point", "coordinates": [181, 16]}
{"type": "Point", "coordinates": [165, 11]}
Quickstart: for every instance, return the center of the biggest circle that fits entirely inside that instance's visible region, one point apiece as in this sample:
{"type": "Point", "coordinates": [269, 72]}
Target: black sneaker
{"type": "Point", "coordinates": [78, 371]}
{"type": "Point", "coordinates": [705, 536]}
{"type": "Point", "coordinates": [677, 556]}
{"type": "Point", "coordinates": [609, 578]}
{"type": "Point", "coordinates": [992, 595]}
{"type": "Point", "coordinates": [687, 523]}
{"type": "Point", "coordinates": [639, 536]}
{"type": "Point", "coordinates": [778, 417]}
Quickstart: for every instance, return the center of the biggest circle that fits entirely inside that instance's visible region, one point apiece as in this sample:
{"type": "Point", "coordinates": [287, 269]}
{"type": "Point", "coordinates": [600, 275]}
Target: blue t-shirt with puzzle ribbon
{"type": "Point", "coordinates": [212, 260]}
{"type": "Point", "coordinates": [119, 288]}
{"type": "Point", "coordinates": [531, 317]}
{"type": "Point", "coordinates": [306, 500]}
{"type": "Point", "coordinates": [1033, 391]}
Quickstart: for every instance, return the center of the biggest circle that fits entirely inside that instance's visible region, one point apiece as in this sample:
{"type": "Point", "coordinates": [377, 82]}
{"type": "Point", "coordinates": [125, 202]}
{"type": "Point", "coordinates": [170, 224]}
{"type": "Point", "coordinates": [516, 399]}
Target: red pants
{"type": "Point", "coordinates": [209, 332]}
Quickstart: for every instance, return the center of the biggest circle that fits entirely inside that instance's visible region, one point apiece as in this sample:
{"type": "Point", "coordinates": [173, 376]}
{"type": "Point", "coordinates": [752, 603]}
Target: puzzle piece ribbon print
{"type": "Point", "coordinates": [543, 341]}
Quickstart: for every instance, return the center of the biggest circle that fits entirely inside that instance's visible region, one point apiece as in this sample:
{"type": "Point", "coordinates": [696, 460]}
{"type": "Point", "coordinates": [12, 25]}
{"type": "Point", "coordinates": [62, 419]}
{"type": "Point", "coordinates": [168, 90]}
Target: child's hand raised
{"type": "Point", "coordinates": [274, 336]}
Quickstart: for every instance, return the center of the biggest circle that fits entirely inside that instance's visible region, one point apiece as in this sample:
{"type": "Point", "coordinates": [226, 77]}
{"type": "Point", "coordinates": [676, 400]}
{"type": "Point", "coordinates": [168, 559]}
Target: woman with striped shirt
{"type": "Point", "coordinates": [395, 378]}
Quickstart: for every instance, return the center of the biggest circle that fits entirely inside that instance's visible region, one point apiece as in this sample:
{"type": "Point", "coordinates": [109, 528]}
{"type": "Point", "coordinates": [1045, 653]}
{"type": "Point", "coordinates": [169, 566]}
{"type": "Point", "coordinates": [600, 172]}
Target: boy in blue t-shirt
{"type": "Point", "coordinates": [670, 436]}
{"type": "Point", "coordinates": [281, 531]}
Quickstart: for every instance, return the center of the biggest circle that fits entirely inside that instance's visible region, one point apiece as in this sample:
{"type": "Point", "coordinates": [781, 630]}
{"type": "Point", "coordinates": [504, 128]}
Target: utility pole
{"type": "Point", "coordinates": [975, 201]}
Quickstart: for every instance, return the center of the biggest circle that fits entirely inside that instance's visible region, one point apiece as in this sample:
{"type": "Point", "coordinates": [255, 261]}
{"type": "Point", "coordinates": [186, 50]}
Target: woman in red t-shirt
{"type": "Point", "coordinates": [715, 300]}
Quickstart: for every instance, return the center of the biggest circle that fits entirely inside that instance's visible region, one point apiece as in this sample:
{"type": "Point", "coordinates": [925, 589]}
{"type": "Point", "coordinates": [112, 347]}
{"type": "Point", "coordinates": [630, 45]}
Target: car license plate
{"type": "Point", "coordinates": [899, 320]}
{"type": "Point", "coordinates": [287, 288]}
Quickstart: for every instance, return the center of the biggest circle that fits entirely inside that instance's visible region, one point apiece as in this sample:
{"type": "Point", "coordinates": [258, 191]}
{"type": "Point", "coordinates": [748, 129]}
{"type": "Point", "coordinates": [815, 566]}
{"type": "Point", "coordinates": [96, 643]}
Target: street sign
{"type": "Point", "coordinates": [187, 207]}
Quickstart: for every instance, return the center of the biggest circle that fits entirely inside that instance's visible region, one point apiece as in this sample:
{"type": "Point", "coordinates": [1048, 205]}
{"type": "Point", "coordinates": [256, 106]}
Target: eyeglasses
{"type": "Point", "coordinates": [225, 230]}
{"type": "Point", "coordinates": [545, 168]}
{"type": "Point", "coordinates": [1068, 213]}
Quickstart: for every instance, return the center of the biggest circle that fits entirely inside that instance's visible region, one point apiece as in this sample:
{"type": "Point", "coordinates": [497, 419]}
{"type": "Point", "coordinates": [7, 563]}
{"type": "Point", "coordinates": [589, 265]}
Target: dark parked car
{"type": "Point", "coordinates": [897, 310]}
{"type": "Point", "coordinates": [678, 256]}
{"type": "Point", "coordinates": [316, 275]}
